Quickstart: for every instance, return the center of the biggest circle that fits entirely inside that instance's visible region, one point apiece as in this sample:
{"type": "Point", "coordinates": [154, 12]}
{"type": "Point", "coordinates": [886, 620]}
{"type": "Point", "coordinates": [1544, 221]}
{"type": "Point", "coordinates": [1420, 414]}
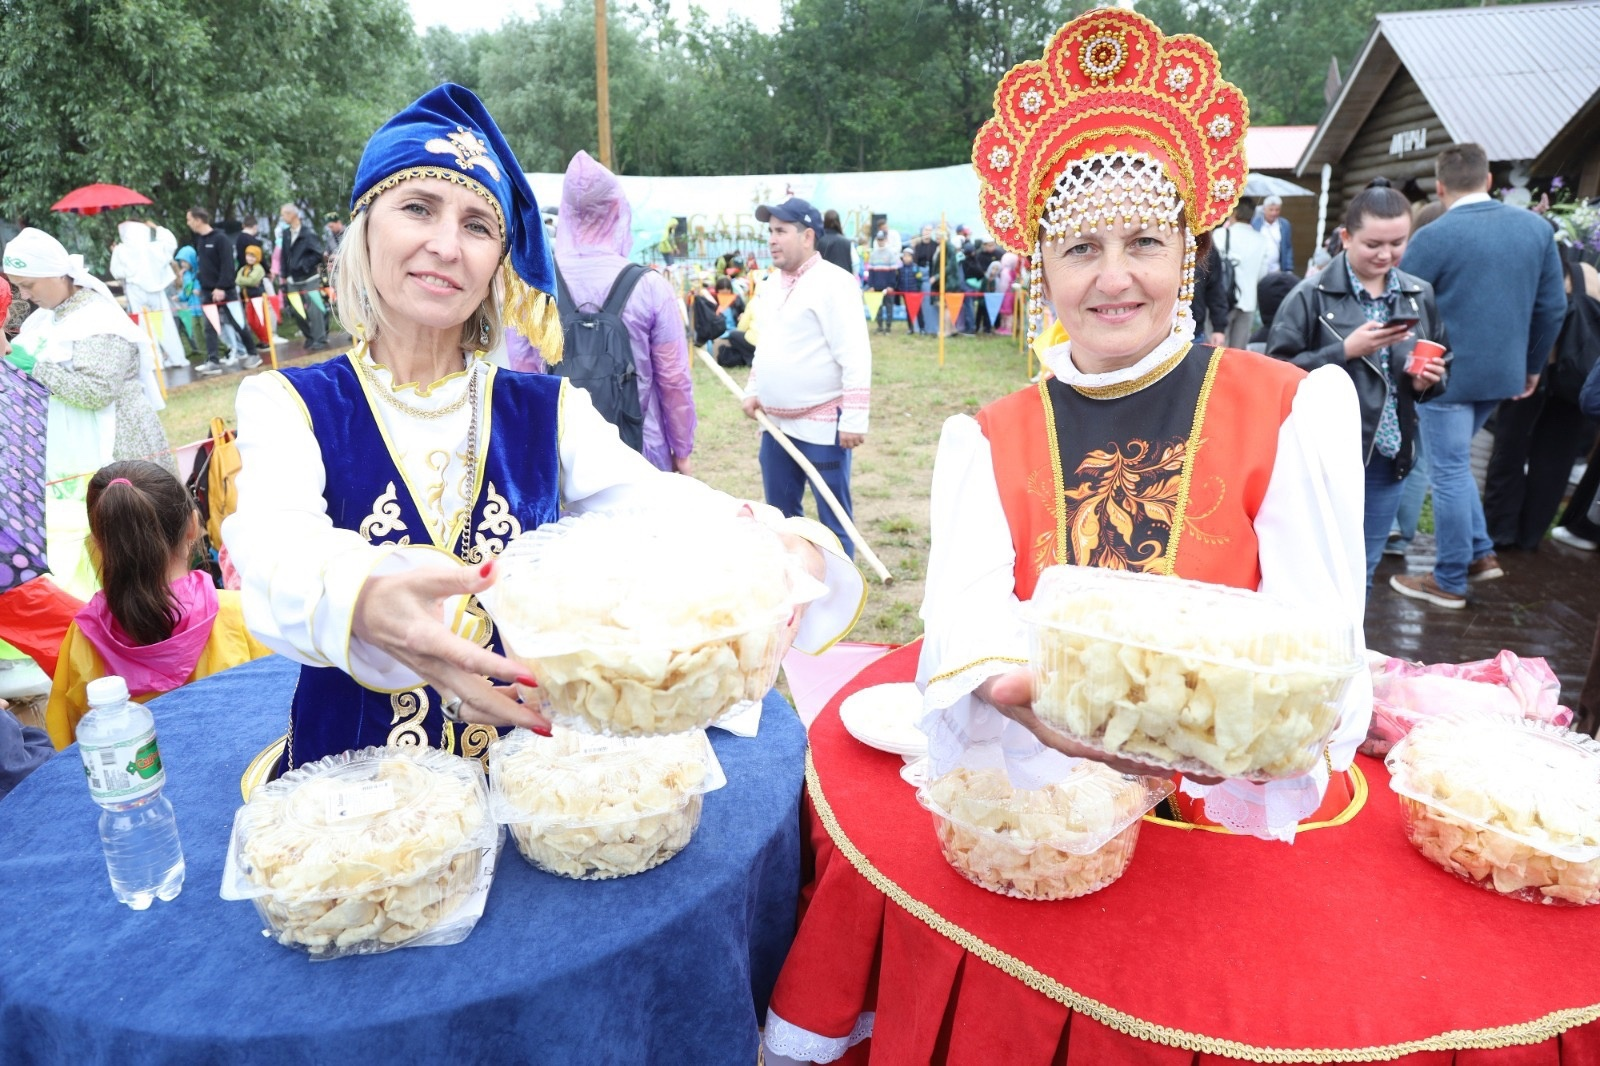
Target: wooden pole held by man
{"type": "Point", "coordinates": [602, 85]}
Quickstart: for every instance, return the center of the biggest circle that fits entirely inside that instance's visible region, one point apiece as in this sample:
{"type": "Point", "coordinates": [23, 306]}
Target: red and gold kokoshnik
{"type": "Point", "coordinates": [1108, 82]}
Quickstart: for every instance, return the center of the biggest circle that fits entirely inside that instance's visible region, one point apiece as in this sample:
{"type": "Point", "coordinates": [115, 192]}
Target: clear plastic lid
{"type": "Point", "coordinates": [357, 822]}
{"type": "Point", "coordinates": [651, 581]}
{"type": "Point", "coordinates": [571, 779]}
{"type": "Point", "coordinates": [1187, 676]}
{"type": "Point", "coordinates": [1078, 814]}
{"type": "Point", "coordinates": [1527, 780]}
{"type": "Point", "coordinates": [1200, 621]}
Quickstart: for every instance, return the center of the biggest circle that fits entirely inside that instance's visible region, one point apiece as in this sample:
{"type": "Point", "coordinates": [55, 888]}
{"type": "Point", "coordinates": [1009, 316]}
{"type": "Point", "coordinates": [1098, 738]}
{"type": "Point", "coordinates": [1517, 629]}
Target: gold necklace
{"type": "Point", "coordinates": [1144, 381]}
{"type": "Point", "coordinates": [394, 401]}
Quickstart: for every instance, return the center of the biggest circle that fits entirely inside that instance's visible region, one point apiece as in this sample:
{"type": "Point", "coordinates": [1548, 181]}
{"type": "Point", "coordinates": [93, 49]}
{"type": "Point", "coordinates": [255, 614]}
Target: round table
{"type": "Point", "coordinates": [1347, 946]}
{"type": "Point", "coordinates": [670, 966]}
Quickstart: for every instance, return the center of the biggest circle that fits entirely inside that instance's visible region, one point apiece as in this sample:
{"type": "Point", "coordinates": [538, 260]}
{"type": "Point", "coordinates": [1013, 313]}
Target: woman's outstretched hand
{"type": "Point", "coordinates": [400, 615]}
{"type": "Point", "coordinates": [1011, 693]}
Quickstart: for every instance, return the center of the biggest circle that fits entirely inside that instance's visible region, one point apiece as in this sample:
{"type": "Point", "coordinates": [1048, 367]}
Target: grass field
{"type": "Point", "coordinates": [911, 397]}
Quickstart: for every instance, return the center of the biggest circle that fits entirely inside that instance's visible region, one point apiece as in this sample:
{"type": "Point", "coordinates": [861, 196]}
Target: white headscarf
{"type": "Point", "coordinates": [33, 253]}
{"type": "Point", "coordinates": [143, 256]}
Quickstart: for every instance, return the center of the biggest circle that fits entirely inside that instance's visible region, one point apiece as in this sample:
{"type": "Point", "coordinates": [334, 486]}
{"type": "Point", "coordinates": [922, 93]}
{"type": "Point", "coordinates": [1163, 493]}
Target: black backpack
{"type": "Point", "coordinates": [1227, 277]}
{"type": "Point", "coordinates": [1578, 345]}
{"type": "Point", "coordinates": [597, 354]}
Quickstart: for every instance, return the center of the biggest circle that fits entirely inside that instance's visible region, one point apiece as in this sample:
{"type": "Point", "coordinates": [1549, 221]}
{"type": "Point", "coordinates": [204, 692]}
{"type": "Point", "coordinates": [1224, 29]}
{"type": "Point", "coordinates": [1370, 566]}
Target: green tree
{"type": "Point", "coordinates": [159, 96]}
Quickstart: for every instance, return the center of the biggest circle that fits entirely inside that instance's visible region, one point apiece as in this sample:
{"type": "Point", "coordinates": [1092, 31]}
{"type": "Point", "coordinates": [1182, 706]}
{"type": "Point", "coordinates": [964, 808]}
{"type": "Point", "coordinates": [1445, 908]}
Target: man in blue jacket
{"type": "Point", "coordinates": [1497, 277]}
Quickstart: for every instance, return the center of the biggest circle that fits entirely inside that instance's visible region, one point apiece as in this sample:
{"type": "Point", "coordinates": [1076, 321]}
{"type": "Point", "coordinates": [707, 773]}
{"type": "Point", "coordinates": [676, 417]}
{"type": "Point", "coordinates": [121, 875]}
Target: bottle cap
{"type": "Point", "coordinates": [104, 690]}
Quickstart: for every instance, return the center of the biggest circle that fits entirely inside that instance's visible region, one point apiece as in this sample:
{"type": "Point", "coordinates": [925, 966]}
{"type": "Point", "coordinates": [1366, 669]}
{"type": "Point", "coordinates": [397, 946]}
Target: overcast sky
{"type": "Point", "coordinates": [465, 17]}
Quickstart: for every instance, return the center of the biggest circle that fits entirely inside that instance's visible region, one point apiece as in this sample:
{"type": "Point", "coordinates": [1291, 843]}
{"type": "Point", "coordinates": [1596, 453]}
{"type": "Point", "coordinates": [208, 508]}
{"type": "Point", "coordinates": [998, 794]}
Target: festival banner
{"type": "Point", "coordinates": [952, 305]}
{"type": "Point", "coordinates": [874, 300]}
{"type": "Point", "coordinates": [913, 303]}
{"type": "Point", "coordinates": [991, 301]}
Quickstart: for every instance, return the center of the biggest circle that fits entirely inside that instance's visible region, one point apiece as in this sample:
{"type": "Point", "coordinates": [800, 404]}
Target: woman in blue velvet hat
{"type": "Point", "coordinates": [379, 486]}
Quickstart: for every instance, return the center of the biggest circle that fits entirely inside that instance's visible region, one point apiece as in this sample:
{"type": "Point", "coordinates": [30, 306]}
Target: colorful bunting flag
{"type": "Point", "coordinates": [210, 311]}
{"type": "Point", "coordinates": [236, 313]}
{"type": "Point", "coordinates": [991, 301]}
{"type": "Point", "coordinates": [913, 303]}
{"type": "Point", "coordinates": [317, 301]}
{"type": "Point", "coordinates": [952, 305]}
{"type": "Point", "coordinates": [874, 301]}
{"type": "Point", "coordinates": [298, 304]}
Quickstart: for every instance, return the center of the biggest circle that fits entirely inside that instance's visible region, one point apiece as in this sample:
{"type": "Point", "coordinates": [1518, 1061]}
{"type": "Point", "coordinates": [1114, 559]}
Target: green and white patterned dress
{"type": "Point", "coordinates": [103, 370]}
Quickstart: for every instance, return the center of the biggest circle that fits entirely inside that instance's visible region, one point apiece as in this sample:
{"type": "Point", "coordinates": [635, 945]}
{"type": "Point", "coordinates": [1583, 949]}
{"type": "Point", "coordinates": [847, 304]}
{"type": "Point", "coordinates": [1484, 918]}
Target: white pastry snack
{"type": "Point", "coordinates": [1186, 676]}
{"type": "Point", "coordinates": [1069, 839]}
{"type": "Point", "coordinates": [643, 624]}
{"type": "Point", "coordinates": [1508, 803]}
{"type": "Point", "coordinates": [364, 851]}
{"type": "Point", "coordinates": [591, 808]}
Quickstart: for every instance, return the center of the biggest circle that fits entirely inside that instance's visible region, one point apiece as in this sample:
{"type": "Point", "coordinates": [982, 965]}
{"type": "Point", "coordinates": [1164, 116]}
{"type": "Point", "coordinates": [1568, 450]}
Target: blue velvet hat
{"type": "Point", "coordinates": [448, 134]}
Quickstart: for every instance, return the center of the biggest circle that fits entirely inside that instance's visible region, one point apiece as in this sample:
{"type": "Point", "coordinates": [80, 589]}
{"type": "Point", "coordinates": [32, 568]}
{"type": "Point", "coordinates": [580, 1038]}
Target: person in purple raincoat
{"type": "Point", "coordinates": [592, 246]}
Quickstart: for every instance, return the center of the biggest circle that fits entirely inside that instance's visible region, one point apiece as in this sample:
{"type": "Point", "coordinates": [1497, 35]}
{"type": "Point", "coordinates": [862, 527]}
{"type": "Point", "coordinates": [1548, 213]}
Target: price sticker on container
{"type": "Point", "coordinates": [360, 801]}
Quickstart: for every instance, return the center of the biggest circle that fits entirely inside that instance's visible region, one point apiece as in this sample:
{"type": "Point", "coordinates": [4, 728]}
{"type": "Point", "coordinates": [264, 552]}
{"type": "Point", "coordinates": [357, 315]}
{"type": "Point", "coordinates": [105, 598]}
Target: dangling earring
{"type": "Point", "coordinates": [483, 332]}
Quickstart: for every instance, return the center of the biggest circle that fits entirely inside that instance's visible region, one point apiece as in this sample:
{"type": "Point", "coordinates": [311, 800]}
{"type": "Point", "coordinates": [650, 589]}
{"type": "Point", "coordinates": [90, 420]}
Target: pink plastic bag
{"type": "Point", "coordinates": [1404, 693]}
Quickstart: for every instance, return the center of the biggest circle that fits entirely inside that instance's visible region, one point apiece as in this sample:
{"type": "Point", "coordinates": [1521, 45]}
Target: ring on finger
{"type": "Point", "coordinates": [450, 707]}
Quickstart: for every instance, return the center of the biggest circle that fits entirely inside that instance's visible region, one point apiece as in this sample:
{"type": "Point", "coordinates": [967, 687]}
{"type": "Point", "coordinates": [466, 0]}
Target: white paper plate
{"type": "Point", "coordinates": [885, 717]}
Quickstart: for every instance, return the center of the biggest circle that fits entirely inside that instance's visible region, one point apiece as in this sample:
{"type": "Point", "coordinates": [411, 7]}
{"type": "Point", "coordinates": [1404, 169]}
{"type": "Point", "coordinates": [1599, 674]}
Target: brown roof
{"type": "Point", "coordinates": [1507, 78]}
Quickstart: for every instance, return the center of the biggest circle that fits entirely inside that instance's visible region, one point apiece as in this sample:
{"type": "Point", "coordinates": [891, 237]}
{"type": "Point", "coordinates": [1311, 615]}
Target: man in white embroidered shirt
{"type": "Point", "coordinates": [813, 365]}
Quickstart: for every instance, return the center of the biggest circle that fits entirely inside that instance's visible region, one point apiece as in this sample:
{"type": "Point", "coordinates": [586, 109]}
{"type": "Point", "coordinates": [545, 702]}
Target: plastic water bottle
{"type": "Point", "coordinates": [138, 830]}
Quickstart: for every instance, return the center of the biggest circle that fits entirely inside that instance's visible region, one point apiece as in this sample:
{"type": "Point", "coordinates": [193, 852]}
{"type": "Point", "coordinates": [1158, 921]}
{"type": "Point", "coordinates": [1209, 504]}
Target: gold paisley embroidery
{"type": "Point", "coordinates": [385, 517]}
{"type": "Point", "coordinates": [475, 741]}
{"type": "Point", "coordinates": [1192, 521]}
{"type": "Point", "coordinates": [407, 711]}
{"type": "Point", "coordinates": [438, 463]}
{"type": "Point", "coordinates": [497, 520]}
{"type": "Point", "coordinates": [1122, 508]}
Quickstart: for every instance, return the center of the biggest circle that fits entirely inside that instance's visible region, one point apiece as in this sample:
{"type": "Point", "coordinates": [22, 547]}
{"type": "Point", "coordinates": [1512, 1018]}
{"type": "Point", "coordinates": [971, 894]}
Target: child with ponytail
{"type": "Point", "coordinates": [156, 623]}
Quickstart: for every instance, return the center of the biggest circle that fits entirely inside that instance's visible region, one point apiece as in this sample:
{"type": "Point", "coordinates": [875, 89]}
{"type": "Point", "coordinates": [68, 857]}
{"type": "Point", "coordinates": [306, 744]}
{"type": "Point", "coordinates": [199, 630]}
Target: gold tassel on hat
{"type": "Point", "coordinates": [531, 313]}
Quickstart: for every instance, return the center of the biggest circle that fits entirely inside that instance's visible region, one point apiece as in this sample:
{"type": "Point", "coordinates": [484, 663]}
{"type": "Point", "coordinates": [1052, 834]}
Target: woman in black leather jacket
{"type": "Point", "coordinates": [1342, 316]}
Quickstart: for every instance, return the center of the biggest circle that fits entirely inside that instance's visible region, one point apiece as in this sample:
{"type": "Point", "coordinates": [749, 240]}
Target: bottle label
{"type": "Point", "coordinates": [126, 771]}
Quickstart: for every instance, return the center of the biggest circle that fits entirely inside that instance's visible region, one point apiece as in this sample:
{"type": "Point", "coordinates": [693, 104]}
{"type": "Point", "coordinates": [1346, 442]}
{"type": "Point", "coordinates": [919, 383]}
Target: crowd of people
{"type": "Point", "coordinates": [1322, 401]}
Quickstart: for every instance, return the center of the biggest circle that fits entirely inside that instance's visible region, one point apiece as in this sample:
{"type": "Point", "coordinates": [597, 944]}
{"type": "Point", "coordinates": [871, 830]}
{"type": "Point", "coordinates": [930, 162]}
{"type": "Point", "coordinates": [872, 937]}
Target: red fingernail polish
{"type": "Point", "coordinates": [486, 569]}
{"type": "Point", "coordinates": [543, 732]}
{"type": "Point", "coordinates": [527, 682]}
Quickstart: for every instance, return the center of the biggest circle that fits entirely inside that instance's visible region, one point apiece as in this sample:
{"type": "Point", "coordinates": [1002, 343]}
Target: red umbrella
{"type": "Point", "coordinates": [92, 199]}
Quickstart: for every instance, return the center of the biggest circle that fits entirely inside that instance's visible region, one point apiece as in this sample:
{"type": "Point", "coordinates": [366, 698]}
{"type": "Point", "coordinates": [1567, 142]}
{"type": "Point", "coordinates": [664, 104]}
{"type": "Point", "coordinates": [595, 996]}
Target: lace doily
{"type": "Point", "coordinates": [802, 1045]}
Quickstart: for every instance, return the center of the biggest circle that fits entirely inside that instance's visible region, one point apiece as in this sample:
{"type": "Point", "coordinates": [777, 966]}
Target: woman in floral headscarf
{"type": "Point", "coordinates": [1106, 163]}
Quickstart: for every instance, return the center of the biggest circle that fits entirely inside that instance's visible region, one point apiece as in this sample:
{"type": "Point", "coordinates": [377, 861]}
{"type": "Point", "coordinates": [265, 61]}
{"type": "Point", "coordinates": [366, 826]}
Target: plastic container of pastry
{"type": "Point", "coordinates": [648, 623]}
{"type": "Point", "coordinates": [366, 851]}
{"type": "Point", "coordinates": [592, 808]}
{"type": "Point", "coordinates": [1506, 803]}
{"type": "Point", "coordinates": [1069, 839]}
{"type": "Point", "coordinates": [1184, 675]}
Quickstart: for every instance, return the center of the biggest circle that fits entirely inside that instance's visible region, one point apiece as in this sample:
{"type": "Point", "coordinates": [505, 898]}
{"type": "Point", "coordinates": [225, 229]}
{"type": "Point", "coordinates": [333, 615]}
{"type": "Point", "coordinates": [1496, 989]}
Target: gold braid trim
{"type": "Point", "coordinates": [1533, 1032]}
{"type": "Point", "coordinates": [1053, 444]}
{"type": "Point", "coordinates": [1143, 381]}
{"type": "Point", "coordinates": [455, 177]}
{"type": "Point", "coordinates": [532, 313]}
{"type": "Point", "coordinates": [1190, 451]}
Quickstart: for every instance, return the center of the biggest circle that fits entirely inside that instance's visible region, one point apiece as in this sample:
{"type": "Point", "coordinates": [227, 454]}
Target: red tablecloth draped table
{"type": "Point", "coordinates": [1346, 947]}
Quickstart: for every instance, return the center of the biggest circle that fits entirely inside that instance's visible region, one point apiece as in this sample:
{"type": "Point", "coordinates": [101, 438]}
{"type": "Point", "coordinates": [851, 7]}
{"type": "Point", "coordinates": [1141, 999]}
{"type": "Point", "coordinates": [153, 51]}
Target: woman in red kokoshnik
{"type": "Point", "coordinates": [1108, 162]}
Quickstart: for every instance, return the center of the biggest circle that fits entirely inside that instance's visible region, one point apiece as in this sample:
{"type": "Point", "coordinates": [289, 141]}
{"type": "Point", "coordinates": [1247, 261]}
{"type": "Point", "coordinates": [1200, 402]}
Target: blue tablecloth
{"type": "Point", "coordinates": [670, 966]}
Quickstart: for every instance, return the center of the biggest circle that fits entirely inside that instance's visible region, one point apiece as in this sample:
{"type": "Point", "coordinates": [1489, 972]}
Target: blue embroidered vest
{"type": "Point", "coordinates": [518, 490]}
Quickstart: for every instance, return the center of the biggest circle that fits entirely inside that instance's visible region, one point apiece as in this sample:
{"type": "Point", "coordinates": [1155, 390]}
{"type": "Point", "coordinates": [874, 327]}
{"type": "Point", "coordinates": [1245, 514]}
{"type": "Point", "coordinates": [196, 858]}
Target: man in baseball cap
{"type": "Point", "coordinates": [813, 365]}
{"type": "Point", "coordinates": [794, 210]}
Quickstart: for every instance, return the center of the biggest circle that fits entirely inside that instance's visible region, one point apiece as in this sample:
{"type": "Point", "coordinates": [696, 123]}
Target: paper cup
{"type": "Point", "coordinates": [1421, 354]}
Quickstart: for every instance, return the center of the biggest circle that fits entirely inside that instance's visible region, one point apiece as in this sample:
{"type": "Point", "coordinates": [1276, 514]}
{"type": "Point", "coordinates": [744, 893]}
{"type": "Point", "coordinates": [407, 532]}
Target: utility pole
{"type": "Point", "coordinates": [602, 86]}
